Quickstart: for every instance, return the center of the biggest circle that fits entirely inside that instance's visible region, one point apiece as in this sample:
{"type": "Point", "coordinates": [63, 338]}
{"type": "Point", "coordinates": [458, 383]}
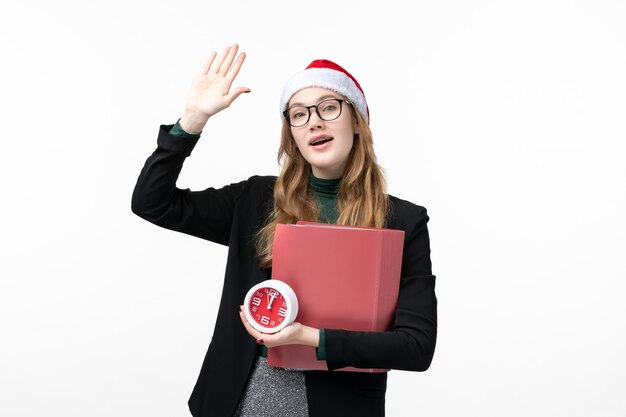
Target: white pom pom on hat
{"type": "Point", "coordinates": [326, 74]}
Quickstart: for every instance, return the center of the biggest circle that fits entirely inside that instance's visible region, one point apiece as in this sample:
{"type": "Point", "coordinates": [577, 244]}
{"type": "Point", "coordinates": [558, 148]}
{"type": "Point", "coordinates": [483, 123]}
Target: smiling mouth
{"type": "Point", "coordinates": [320, 141]}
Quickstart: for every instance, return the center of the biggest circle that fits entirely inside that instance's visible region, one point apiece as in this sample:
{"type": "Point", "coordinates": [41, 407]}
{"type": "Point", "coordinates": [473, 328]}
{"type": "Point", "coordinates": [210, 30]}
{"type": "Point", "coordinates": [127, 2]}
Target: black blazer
{"type": "Point", "coordinates": [230, 216]}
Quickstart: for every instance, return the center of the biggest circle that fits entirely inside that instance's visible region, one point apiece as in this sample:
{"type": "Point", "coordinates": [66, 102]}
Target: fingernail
{"type": "Point", "coordinates": [259, 341]}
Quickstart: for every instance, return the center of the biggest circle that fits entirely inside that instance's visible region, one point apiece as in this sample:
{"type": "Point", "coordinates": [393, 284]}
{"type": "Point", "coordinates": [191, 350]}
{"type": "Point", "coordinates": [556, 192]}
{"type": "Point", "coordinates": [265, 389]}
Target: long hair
{"type": "Point", "coordinates": [361, 199]}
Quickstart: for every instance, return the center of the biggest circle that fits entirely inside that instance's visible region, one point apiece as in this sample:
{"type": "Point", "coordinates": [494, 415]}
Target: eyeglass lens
{"type": "Point", "coordinates": [327, 110]}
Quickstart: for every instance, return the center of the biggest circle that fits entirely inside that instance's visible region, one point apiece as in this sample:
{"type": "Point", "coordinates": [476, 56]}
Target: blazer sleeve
{"type": "Point", "coordinates": [205, 214]}
{"type": "Point", "coordinates": [410, 343]}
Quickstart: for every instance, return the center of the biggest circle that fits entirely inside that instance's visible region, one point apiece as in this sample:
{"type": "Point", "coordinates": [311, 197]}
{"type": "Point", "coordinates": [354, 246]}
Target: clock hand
{"type": "Point", "coordinates": [272, 296]}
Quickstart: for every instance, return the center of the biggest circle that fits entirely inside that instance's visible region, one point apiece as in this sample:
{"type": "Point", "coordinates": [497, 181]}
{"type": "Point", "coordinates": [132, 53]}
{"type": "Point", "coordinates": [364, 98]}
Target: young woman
{"type": "Point", "coordinates": [329, 173]}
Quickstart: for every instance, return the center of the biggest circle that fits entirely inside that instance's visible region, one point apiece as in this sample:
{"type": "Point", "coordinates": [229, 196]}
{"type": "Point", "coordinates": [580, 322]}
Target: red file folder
{"type": "Point", "coordinates": [345, 277]}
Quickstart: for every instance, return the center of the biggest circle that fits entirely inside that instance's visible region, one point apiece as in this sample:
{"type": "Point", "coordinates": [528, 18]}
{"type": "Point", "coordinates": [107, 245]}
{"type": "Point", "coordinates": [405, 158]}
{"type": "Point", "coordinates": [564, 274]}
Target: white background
{"type": "Point", "coordinates": [505, 119]}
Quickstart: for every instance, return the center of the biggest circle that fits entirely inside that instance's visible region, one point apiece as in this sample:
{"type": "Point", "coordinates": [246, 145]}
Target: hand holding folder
{"type": "Point", "coordinates": [345, 277]}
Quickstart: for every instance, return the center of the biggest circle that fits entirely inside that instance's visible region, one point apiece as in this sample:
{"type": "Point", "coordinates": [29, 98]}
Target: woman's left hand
{"type": "Point", "coordinates": [294, 334]}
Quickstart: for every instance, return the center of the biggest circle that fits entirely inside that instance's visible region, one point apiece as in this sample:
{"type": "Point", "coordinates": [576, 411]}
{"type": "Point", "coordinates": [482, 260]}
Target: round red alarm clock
{"type": "Point", "coordinates": [270, 306]}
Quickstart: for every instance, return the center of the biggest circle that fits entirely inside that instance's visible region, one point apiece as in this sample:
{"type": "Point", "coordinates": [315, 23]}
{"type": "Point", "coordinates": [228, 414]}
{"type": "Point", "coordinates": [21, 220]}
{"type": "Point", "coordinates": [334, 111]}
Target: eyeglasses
{"type": "Point", "coordinates": [327, 110]}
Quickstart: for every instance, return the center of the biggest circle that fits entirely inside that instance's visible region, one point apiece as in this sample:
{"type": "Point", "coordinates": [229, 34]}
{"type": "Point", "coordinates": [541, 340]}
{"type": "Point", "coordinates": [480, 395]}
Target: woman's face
{"type": "Point", "coordinates": [329, 157]}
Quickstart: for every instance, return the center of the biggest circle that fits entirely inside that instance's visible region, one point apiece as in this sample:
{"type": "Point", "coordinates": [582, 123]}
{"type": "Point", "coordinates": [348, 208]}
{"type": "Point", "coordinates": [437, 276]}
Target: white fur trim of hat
{"type": "Point", "coordinates": [326, 74]}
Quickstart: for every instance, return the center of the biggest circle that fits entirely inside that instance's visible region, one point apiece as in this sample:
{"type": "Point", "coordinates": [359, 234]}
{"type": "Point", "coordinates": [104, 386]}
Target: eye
{"type": "Point", "coordinates": [329, 107]}
{"type": "Point", "coordinates": [298, 113]}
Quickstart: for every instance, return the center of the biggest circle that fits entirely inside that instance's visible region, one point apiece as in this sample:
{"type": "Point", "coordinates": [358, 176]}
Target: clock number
{"type": "Point", "coordinates": [265, 320]}
{"type": "Point", "coordinates": [273, 293]}
{"type": "Point", "coordinates": [256, 301]}
{"type": "Point", "coordinates": [282, 312]}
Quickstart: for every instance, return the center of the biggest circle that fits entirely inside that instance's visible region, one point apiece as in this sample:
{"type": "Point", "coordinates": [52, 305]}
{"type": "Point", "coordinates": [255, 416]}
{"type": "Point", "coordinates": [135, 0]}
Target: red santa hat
{"type": "Point", "coordinates": [326, 74]}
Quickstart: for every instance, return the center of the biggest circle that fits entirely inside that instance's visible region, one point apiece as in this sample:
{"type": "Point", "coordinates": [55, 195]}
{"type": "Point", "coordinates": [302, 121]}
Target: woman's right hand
{"type": "Point", "coordinates": [211, 89]}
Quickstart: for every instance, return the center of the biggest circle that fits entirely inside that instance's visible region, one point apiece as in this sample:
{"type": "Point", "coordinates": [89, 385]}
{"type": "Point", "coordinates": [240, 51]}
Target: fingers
{"type": "Point", "coordinates": [236, 93]}
{"type": "Point", "coordinates": [269, 340]}
{"type": "Point", "coordinates": [232, 73]}
{"type": "Point", "coordinates": [224, 63]}
{"type": "Point", "coordinates": [228, 61]}
{"type": "Point", "coordinates": [251, 330]}
{"type": "Point", "coordinates": [225, 60]}
{"type": "Point", "coordinates": [286, 336]}
{"type": "Point", "coordinates": [207, 65]}
{"type": "Point", "coordinates": [283, 337]}
{"type": "Point", "coordinates": [220, 60]}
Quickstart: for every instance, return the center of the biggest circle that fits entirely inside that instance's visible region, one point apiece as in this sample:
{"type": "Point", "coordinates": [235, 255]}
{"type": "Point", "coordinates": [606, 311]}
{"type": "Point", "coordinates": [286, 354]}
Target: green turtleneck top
{"type": "Point", "coordinates": [325, 191]}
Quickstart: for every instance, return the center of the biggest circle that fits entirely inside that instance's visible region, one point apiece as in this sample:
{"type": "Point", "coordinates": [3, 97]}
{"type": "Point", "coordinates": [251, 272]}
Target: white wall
{"type": "Point", "coordinates": [504, 119]}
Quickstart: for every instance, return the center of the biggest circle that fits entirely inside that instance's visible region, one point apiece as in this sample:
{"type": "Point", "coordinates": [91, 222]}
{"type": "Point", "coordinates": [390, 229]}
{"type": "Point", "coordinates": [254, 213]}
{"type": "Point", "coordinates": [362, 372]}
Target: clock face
{"type": "Point", "coordinates": [270, 306]}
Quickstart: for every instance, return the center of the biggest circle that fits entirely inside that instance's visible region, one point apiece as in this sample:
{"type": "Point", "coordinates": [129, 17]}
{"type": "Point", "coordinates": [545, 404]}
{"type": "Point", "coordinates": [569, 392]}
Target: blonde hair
{"type": "Point", "coordinates": [361, 198]}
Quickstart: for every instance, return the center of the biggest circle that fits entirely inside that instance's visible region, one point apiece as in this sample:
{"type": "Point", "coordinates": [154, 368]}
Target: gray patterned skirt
{"type": "Point", "coordinates": [273, 392]}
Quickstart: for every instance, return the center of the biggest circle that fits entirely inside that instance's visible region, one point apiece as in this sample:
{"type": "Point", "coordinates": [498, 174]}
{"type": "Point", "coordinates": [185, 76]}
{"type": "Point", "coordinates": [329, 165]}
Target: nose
{"type": "Point", "coordinates": [315, 121]}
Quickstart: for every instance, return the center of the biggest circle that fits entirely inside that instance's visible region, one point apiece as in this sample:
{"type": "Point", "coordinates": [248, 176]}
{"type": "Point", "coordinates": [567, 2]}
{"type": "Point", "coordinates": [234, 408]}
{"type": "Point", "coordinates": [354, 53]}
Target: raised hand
{"type": "Point", "coordinates": [211, 91]}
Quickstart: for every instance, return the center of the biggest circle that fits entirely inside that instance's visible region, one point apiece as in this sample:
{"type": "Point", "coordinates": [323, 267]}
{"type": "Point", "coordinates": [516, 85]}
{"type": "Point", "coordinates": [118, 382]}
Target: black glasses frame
{"type": "Point", "coordinates": [317, 110]}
